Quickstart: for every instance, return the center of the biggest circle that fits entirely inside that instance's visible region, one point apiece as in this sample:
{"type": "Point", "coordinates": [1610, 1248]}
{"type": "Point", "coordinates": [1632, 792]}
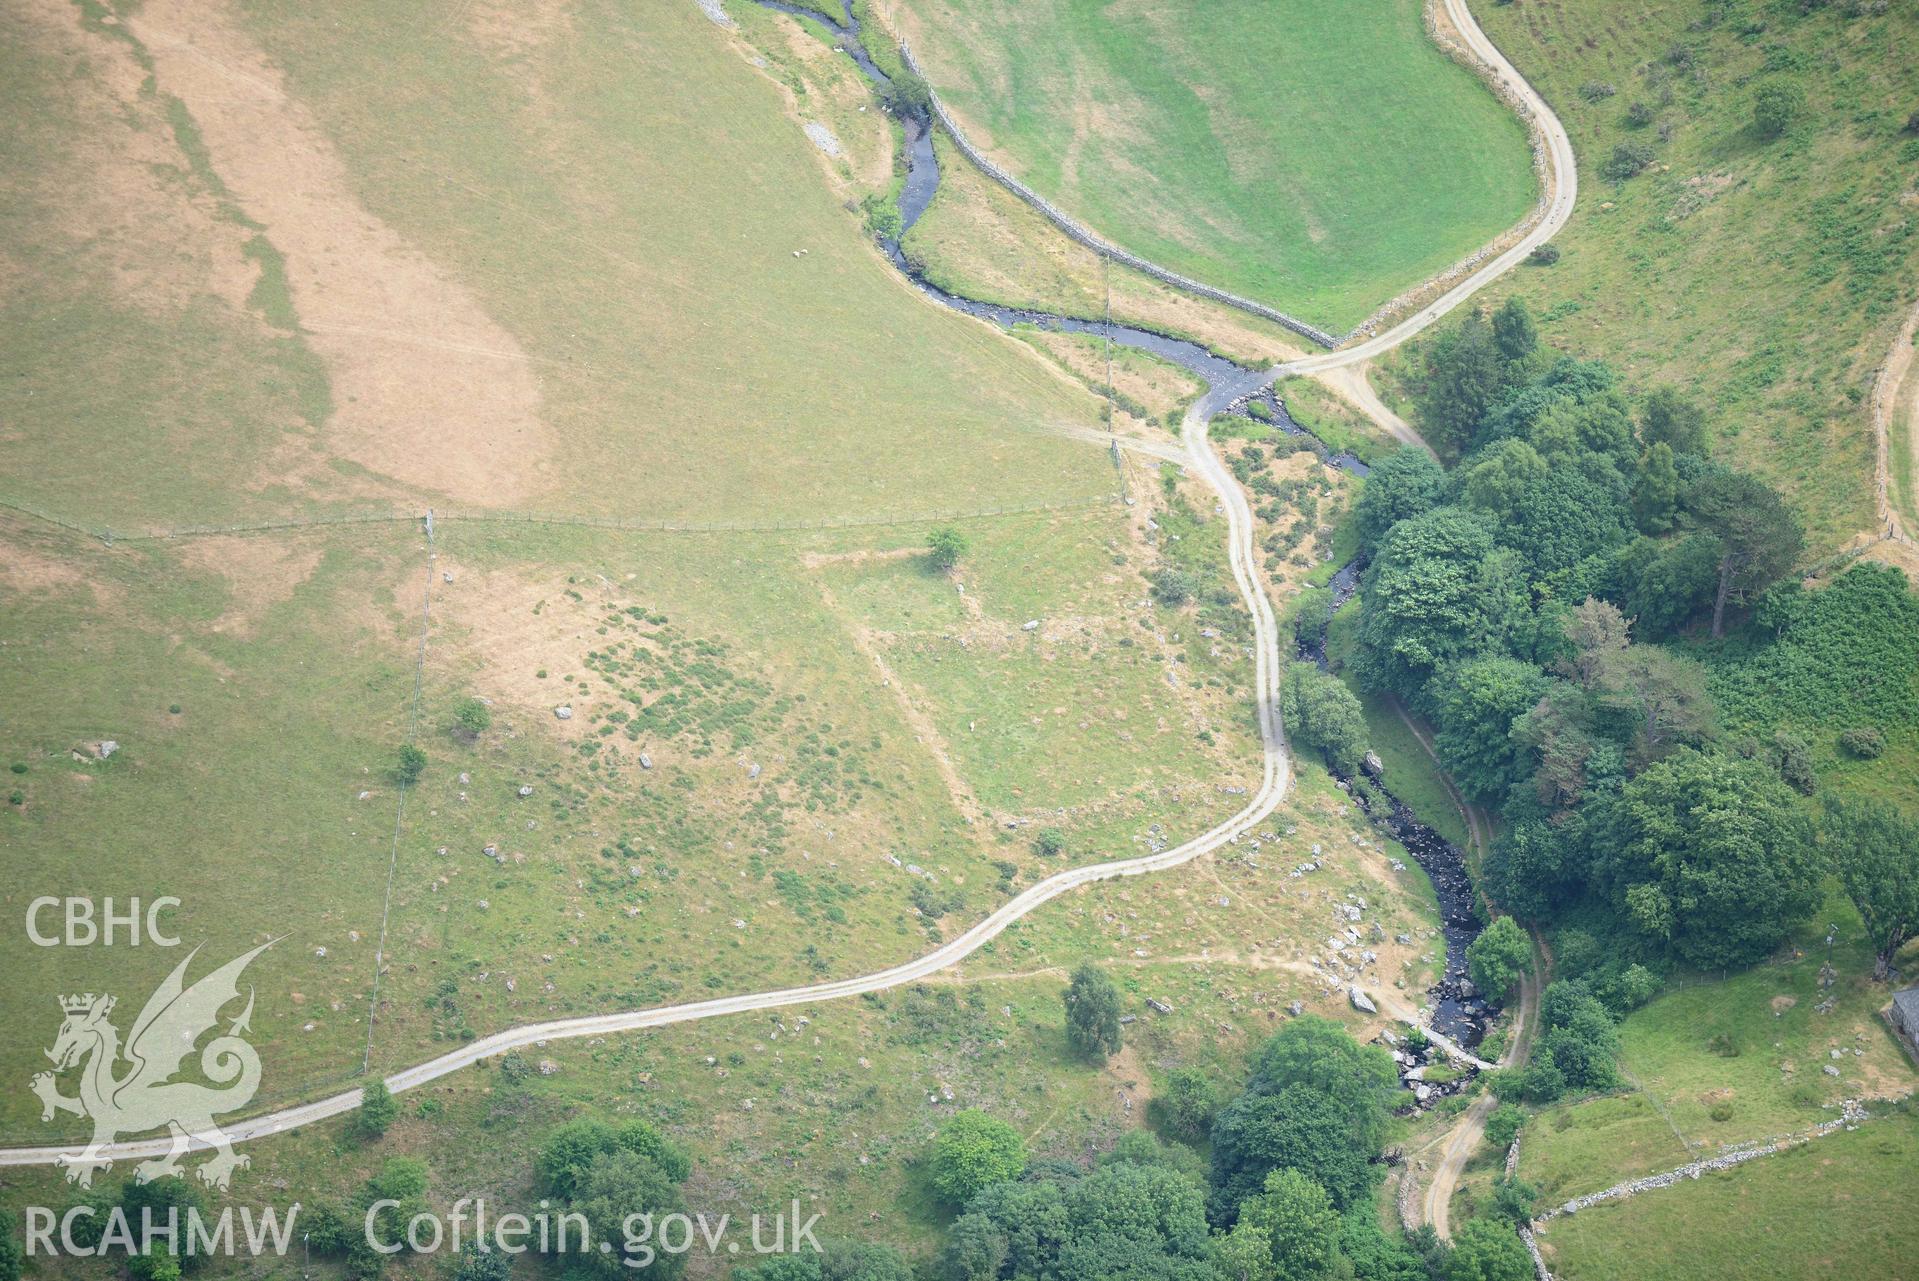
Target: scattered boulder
{"type": "Point", "coordinates": [1373, 765]}
{"type": "Point", "coordinates": [525, 792]}
{"type": "Point", "coordinates": [1361, 1002]}
{"type": "Point", "coordinates": [563, 713]}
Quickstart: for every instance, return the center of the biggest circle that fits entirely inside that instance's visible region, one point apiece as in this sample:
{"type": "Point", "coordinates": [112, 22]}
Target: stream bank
{"type": "Point", "coordinates": [1459, 1013]}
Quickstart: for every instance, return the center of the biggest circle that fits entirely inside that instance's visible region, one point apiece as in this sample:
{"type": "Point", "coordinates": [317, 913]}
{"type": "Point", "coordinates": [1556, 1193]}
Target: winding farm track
{"type": "Point", "coordinates": [1889, 392]}
{"type": "Point", "coordinates": [1458, 1144]}
{"type": "Point", "coordinates": [1276, 773]}
{"type": "Point", "coordinates": [1562, 183]}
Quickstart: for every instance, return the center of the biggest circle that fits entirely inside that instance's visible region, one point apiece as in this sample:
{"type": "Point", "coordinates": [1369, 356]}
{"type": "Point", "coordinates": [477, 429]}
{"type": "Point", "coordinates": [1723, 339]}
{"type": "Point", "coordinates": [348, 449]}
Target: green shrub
{"type": "Point", "coordinates": [1503, 1126]}
{"type": "Point", "coordinates": [473, 717]}
{"type": "Point", "coordinates": [882, 218]}
{"type": "Point", "coordinates": [1843, 651]}
{"type": "Point", "coordinates": [1544, 255]}
{"type": "Point", "coordinates": [944, 547]}
{"type": "Point", "coordinates": [1793, 757]}
{"type": "Point", "coordinates": [1188, 1103]}
{"type": "Point", "coordinates": [1172, 585]}
{"type": "Point", "coordinates": [1775, 106]}
{"type": "Point", "coordinates": [1049, 843]}
{"type": "Point", "coordinates": [410, 765]}
{"type": "Point", "coordinates": [974, 1151]}
{"type": "Point", "coordinates": [1628, 160]}
{"type": "Point", "coordinates": [377, 1109]}
{"type": "Point", "coordinates": [1865, 743]}
{"type": "Point", "coordinates": [907, 95]}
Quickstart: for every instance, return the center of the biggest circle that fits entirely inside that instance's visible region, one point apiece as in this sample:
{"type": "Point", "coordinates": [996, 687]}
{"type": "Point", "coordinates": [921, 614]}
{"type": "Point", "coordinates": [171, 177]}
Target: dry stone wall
{"type": "Point", "coordinates": [1105, 248]}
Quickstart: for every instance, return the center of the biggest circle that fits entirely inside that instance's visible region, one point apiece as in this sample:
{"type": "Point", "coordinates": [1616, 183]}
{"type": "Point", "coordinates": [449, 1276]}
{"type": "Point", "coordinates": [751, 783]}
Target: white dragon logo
{"type": "Point", "coordinates": [145, 1096]}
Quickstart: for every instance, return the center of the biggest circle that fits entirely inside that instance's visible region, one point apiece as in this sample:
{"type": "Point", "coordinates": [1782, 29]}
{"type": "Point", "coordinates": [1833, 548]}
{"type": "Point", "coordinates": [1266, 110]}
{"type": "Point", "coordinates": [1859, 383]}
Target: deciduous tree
{"type": "Point", "coordinates": [1597, 633]}
{"type": "Point", "coordinates": [1437, 591]}
{"type": "Point", "coordinates": [1711, 855]}
{"type": "Point", "coordinates": [1488, 1250]}
{"type": "Point", "coordinates": [944, 547]}
{"type": "Point", "coordinates": [377, 1109]}
{"type": "Point", "coordinates": [1875, 850]}
{"type": "Point", "coordinates": [1669, 419]}
{"type": "Point", "coordinates": [1475, 703]}
{"type": "Point", "coordinates": [1667, 694]}
{"type": "Point", "coordinates": [1407, 483]}
{"type": "Point", "coordinates": [1759, 536]}
{"type": "Point", "coordinates": [973, 1151]}
{"type": "Point", "coordinates": [1319, 711]}
{"type": "Point", "coordinates": [1294, 1221]}
{"type": "Point", "coordinates": [1092, 1013]}
{"type": "Point", "coordinates": [1500, 957]}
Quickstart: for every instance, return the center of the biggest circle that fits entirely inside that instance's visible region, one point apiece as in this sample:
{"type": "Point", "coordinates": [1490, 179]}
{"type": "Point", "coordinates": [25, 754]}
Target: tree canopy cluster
{"type": "Point", "coordinates": [1527, 603]}
{"type": "Point", "coordinates": [1288, 1195]}
{"type": "Point", "coordinates": [1604, 628]}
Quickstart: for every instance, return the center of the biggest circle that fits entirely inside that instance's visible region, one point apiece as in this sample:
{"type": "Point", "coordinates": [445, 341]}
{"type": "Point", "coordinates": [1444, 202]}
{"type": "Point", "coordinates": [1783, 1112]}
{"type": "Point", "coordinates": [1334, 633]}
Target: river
{"type": "Point", "coordinates": [1458, 1016]}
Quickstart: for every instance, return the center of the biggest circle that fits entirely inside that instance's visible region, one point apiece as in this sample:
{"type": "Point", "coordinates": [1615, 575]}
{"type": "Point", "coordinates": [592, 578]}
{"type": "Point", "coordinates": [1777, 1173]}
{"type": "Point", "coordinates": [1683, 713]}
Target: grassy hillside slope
{"type": "Point", "coordinates": [579, 262]}
{"type": "Point", "coordinates": [266, 264]}
{"type": "Point", "coordinates": [1837, 1208]}
{"type": "Point", "coordinates": [1766, 276]}
{"type": "Point", "coordinates": [1320, 158]}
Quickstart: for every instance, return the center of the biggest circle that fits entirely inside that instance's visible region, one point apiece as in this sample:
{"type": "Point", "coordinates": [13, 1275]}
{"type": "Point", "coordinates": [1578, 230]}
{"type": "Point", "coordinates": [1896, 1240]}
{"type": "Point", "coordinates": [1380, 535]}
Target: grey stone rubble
{"type": "Point", "coordinates": [1851, 1113]}
{"type": "Point", "coordinates": [822, 137]}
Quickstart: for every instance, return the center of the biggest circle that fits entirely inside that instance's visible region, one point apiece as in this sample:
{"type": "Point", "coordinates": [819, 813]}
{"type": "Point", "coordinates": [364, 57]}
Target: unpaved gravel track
{"type": "Point", "coordinates": [1276, 776]}
{"type": "Point", "coordinates": [1458, 1144]}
